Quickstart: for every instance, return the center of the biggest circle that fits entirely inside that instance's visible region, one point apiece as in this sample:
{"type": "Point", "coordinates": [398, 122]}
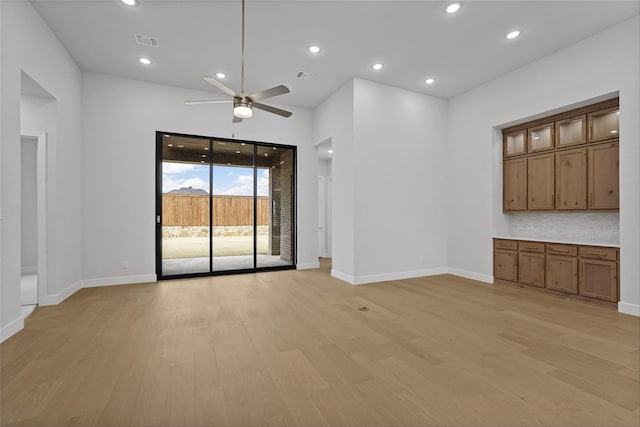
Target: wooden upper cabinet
{"type": "Point", "coordinates": [604, 188]}
{"type": "Point", "coordinates": [604, 124]}
{"type": "Point", "coordinates": [540, 138]}
{"type": "Point", "coordinates": [571, 179]}
{"type": "Point", "coordinates": [514, 191]}
{"type": "Point", "coordinates": [571, 131]}
{"type": "Point", "coordinates": [515, 143]}
{"type": "Point", "coordinates": [541, 182]}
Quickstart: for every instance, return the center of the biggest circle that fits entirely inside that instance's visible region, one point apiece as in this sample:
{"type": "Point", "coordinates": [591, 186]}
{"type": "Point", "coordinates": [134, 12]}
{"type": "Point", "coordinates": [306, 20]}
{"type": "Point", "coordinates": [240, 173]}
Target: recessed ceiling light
{"type": "Point", "coordinates": [314, 49]}
{"type": "Point", "coordinates": [330, 151]}
{"type": "Point", "coordinates": [453, 7]}
{"type": "Point", "coordinates": [129, 2]}
{"type": "Point", "coordinates": [204, 155]}
{"type": "Point", "coordinates": [145, 61]}
{"type": "Point", "coordinates": [180, 146]}
{"type": "Point", "coordinates": [614, 131]}
{"type": "Point", "coordinates": [237, 152]}
{"type": "Point", "coordinates": [266, 154]}
{"type": "Point", "coordinates": [513, 34]}
{"type": "Point", "coordinates": [206, 148]}
{"type": "Point", "coordinates": [377, 66]}
{"type": "Point", "coordinates": [430, 81]}
{"type": "Point", "coordinates": [167, 135]}
{"type": "Point", "coordinates": [228, 164]}
{"type": "Point", "coordinates": [170, 145]}
{"type": "Point", "coordinates": [221, 75]}
{"type": "Point", "coordinates": [201, 161]}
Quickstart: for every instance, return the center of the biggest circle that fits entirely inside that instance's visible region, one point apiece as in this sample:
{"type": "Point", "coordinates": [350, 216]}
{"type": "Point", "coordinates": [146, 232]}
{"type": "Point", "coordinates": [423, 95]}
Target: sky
{"type": "Point", "coordinates": [227, 180]}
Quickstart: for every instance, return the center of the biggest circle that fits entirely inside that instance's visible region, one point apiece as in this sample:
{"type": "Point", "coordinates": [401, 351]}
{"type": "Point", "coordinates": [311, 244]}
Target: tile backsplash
{"type": "Point", "coordinates": [603, 228]}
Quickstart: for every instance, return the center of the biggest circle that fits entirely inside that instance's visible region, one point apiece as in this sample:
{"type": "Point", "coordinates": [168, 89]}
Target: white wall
{"type": "Point", "coordinates": [29, 45]}
{"type": "Point", "coordinates": [400, 193]}
{"type": "Point", "coordinates": [602, 64]}
{"type": "Point", "coordinates": [388, 194]}
{"type": "Point", "coordinates": [28, 206]}
{"type": "Point", "coordinates": [334, 119]}
{"type": "Point", "coordinates": [121, 117]}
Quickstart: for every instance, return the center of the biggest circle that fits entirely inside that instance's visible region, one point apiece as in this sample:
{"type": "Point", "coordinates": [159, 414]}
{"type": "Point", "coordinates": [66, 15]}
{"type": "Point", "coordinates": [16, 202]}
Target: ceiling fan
{"type": "Point", "coordinates": [244, 103]}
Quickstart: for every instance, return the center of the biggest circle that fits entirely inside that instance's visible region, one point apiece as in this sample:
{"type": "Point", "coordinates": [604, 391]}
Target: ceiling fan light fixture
{"type": "Point", "coordinates": [242, 109]}
{"type": "Point", "coordinates": [129, 2]}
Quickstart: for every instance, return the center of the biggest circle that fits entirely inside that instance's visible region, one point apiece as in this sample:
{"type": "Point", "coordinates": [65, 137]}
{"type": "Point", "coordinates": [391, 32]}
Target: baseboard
{"type": "Point", "coordinates": [471, 275]}
{"type": "Point", "coordinates": [412, 274]}
{"type": "Point", "coordinates": [627, 308]}
{"type": "Point", "coordinates": [376, 278]}
{"type": "Point", "coordinates": [29, 270]}
{"type": "Point", "coordinates": [62, 295]}
{"type": "Point", "coordinates": [307, 265]}
{"type": "Point", "coordinates": [342, 276]}
{"type": "Point", "coordinates": [11, 329]}
{"type": "Point", "coordinates": [120, 280]}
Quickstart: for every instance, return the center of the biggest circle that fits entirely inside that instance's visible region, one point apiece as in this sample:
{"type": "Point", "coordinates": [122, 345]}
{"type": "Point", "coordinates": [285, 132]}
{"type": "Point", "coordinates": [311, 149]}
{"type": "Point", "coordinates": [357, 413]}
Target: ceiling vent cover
{"type": "Point", "coordinates": [147, 41]}
{"type": "Point", "coordinates": [304, 75]}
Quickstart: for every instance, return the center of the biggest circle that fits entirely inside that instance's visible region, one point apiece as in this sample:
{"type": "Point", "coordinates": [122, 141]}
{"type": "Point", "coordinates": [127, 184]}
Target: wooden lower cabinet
{"type": "Point", "coordinates": [599, 279]}
{"type": "Point", "coordinates": [588, 273]}
{"type": "Point", "coordinates": [505, 265]}
{"type": "Point", "coordinates": [562, 273]}
{"type": "Point", "coordinates": [531, 269]}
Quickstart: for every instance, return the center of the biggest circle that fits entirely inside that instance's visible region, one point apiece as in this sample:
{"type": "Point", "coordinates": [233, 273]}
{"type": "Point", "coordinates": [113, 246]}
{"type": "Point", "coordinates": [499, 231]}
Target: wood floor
{"type": "Point", "coordinates": [292, 348]}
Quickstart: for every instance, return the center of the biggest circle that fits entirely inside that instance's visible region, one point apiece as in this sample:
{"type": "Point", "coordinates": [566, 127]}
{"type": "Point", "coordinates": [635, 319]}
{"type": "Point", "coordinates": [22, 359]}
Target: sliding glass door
{"type": "Point", "coordinates": [223, 206]}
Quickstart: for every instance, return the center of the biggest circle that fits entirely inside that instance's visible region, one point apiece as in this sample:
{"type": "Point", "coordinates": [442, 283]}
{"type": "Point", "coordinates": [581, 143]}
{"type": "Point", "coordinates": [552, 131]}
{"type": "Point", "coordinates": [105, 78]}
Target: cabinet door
{"type": "Point", "coordinates": [604, 124]}
{"type": "Point", "coordinates": [515, 143]}
{"type": "Point", "coordinates": [541, 138]}
{"type": "Point", "coordinates": [603, 176]}
{"type": "Point", "coordinates": [540, 182]}
{"type": "Point", "coordinates": [571, 131]}
{"type": "Point", "coordinates": [514, 185]}
{"type": "Point", "coordinates": [531, 269]}
{"type": "Point", "coordinates": [598, 279]}
{"type": "Point", "coordinates": [505, 265]}
{"type": "Point", "coordinates": [571, 179]}
{"type": "Point", "coordinates": [562, 273]}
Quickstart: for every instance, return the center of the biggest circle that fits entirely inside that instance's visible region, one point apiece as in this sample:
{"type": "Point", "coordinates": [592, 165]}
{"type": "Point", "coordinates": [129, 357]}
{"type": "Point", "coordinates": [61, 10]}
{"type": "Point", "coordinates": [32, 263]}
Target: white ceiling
{"type": "Point", "coordinates": [413, 39]}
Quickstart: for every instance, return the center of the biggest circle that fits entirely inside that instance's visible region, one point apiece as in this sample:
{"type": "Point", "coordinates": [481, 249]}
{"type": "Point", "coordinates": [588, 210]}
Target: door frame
{"type": "Point", "coordinates": [42, 210]}
{"type": "Point", "coordinates": [158, 210]}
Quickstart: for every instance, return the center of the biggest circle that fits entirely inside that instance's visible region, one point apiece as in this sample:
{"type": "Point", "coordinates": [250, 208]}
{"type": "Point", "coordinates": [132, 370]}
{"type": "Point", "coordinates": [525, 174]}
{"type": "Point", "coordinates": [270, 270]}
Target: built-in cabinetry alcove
{"type": "Point", "coordinates": [567, 162]}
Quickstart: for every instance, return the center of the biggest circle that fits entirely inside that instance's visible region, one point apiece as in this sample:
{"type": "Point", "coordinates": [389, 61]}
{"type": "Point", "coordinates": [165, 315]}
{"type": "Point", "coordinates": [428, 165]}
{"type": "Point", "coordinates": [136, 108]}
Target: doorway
{"type": "Point", "coordinates": [325, 199]}
{"type": "Point", "coordinates": [223, 206]}
{"type": "Point", "coordinates": [28, 223]}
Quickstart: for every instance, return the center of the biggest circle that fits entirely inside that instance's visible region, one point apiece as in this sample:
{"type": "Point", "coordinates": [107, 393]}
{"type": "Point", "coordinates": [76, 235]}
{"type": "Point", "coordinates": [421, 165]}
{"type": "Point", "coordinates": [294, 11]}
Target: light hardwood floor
{"type": "Point", "coordinates": [292, 348]}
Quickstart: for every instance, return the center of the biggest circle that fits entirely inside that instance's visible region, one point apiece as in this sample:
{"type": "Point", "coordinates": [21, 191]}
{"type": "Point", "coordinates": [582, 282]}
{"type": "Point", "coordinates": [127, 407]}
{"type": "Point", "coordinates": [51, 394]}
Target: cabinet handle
{"type": "Point", "coordinates": [597, 253]}
{"type": "Point", "coordinates": [529, 247]}
{"type": "Point", "coordinates": [559, 250]}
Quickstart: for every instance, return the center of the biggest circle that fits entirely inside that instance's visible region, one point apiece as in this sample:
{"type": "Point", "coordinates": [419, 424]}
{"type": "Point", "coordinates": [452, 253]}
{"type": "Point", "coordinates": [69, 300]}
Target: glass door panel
{"type": "Point", "coordinates": [275, 201]}
{"type": "Point", "coordinates": [185, 205]}
{"type": "Point", "coordinates": [233, 206]}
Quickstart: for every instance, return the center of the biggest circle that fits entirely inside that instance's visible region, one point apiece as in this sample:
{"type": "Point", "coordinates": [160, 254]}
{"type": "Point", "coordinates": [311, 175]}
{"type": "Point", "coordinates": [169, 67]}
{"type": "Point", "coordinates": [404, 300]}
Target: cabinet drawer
{"type": "Point", "coordinates": [558, 249]}
{"type": "Point", "coordinates": [506, 244]}
{"type": "Point", "coordinates": [531, 246]}
{"type": "Point", "coordinates": [598, 252]}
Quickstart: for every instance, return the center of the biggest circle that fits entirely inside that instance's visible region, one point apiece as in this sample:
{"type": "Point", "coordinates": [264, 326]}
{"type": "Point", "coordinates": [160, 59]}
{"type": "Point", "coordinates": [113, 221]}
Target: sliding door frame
{"type": "Point", "coordinates": [158, 210]}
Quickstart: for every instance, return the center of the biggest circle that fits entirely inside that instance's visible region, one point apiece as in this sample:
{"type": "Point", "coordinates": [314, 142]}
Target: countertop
{"type": "Point", "coordinates": [566, 242]}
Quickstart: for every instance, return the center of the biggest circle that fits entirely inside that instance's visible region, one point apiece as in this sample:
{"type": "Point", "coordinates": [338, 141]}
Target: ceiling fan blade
{"type": "Point", "coordinates": [271, 109]}
{"type": "Point", "coordinates": [220, 86]}
{"type": "Point", "coordinates": [274, 91]}
{"type": "Point", "coordinates": [209, 101]}
{"type": "Point", "coordinates": [236, 120]}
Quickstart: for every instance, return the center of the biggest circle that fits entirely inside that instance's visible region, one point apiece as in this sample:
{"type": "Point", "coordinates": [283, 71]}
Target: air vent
{"type": "Point", "coordinates": [303, 75]}
{"type": "Point", "coordinates": [147, 41]}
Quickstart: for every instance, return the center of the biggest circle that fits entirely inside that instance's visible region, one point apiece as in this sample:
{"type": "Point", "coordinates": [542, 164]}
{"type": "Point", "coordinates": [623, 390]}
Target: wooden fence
{"type": "Point", "coordinates": [193, 210]}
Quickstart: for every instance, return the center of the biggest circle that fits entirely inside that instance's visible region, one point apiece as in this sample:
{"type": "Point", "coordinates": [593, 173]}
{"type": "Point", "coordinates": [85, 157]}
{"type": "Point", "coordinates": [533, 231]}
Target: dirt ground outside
{"type": "Point", "coordinates": [195, 247]}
